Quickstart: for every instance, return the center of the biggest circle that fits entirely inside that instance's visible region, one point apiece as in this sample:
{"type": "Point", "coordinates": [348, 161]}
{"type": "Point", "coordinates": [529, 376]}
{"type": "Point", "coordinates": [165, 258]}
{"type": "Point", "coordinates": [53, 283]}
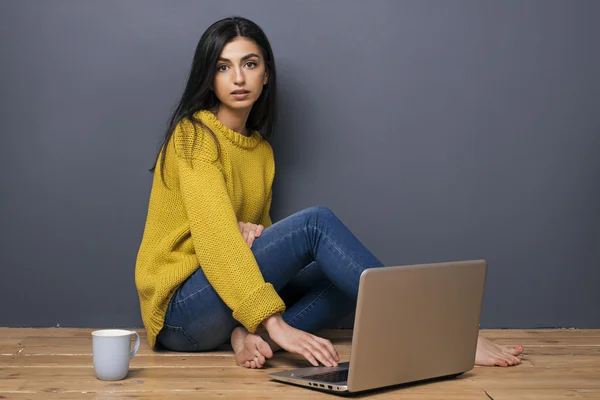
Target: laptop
{"type": "Point", "coordinates": [413, 323]}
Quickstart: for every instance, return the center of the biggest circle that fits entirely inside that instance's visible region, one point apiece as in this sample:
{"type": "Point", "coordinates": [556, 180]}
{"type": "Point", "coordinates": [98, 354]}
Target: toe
{"type": "Point", "coordinates": [509, 360]}
{"type": "Point", "coordinates": [257, 362]}
{"type": "Point", "coordinates": [247, 364]}
{"type": "Point", "coordinates": [264, 349]}
{"type": "Point", "coordinates": [512, 360]}
{"type": "Point", "coordinates": [515, 351]}
{"type": "Point", "coordinates": [260, 358]}
{"type": "Point", "coordinates": [252, 364]}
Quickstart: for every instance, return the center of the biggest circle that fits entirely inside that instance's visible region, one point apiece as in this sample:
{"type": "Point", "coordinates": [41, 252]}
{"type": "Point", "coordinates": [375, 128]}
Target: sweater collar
{"type": "Point", "coordinates": [218, 127]}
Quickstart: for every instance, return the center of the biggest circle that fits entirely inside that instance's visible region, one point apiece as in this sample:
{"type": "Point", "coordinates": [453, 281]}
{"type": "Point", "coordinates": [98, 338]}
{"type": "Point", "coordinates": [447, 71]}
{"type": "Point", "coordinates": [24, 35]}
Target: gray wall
{"type": "Point", "coordinates": [437, 130]}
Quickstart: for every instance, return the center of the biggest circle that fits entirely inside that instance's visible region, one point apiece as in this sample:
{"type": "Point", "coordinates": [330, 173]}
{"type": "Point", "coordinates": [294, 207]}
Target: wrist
{"type": "Point", "coordinates": [273, 322]}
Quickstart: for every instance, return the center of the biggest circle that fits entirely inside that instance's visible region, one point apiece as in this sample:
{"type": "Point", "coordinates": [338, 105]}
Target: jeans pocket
{"type": "Point", "coordinates": [176, 338]}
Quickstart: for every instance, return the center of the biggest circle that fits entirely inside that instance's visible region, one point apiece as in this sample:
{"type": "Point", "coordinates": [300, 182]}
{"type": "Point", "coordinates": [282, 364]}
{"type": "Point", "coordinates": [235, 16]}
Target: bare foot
{"type": "Point", "coordinates": [489, 354]}
{"type": "Point", "coordinates": [251, 351]}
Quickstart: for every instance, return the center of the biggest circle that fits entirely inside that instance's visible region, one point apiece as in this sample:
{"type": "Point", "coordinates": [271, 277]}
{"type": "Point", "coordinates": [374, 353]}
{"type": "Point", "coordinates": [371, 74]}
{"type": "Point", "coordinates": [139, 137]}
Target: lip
{"type": "Point", "coordinates": [240, 91]}
{"type": "Point", "coordinates": [240, 95]}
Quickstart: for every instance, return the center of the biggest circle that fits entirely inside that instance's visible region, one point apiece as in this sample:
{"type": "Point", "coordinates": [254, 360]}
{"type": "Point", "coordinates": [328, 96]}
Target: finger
{"type": "Point", "coordinates": [332, 351]}
{"type": "Point", "coordinates": [324, 350]}
{"type": "Point", "coordinates": [252, 232]}
{"type": "Point", "coordinates": [259, 230]}
{"type": "Point", "coordinates": [245, 228]}
{"type": "Point", "coordinates": [329, 361]}
{"type": "Point", "coordinates": [250, 238]}
{"type": "Point", "coordinates": [246, 234]}
{"type": "Point", "coordinates": [308, 355]}
{"type": "Point", "coordinates": [329, 346]}
{"type": "Point", "coordinates": [328, 352]}
{"type": "Point", "coordinates": [317, 353]}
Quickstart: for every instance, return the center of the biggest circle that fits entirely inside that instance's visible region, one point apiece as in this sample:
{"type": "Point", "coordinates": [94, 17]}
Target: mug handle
{"type": "Point", "coordinates": [137, 345]}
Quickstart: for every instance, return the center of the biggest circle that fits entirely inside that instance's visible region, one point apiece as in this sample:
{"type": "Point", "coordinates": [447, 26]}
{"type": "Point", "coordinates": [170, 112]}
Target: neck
{"type": "Point", "coordinates": [234, 119]}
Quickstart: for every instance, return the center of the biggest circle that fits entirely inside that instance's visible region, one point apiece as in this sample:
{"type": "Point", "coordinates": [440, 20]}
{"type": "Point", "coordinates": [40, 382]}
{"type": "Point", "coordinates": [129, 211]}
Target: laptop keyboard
{"type": "Point", "coordinates": [330, 377]}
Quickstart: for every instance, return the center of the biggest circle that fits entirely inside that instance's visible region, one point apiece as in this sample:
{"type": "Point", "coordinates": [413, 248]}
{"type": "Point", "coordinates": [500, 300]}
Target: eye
{"type": "Point", "coordinates": [252, 63]}
{"type": "Point", "coordinates": [220, 67]}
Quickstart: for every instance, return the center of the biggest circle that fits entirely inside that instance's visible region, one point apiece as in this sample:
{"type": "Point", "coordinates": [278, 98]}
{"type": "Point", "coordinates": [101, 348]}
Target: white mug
{"type": "Point", "coordinates": [112, 352]}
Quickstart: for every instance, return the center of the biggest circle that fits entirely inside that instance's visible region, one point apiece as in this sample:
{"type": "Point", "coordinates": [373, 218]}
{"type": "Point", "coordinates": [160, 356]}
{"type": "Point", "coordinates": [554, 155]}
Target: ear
{"type": "Point", "coordinates": [266, 78]}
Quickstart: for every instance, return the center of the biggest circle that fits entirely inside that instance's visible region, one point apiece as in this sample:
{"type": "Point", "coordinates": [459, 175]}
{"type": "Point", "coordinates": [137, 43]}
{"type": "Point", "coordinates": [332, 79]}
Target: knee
{"type": "Point", "coordinates": [320, 212]}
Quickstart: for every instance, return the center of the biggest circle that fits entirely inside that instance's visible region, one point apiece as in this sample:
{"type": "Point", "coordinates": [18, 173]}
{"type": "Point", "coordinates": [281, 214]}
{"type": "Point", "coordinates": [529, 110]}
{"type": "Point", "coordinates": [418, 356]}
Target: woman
{"type": "Point", "coordinates": [211, 266]}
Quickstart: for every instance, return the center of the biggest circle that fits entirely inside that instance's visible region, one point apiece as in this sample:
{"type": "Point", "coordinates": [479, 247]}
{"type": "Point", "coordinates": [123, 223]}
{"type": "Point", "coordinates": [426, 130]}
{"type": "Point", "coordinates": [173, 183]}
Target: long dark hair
{"type": "Point", "coordinates": [198, 94]}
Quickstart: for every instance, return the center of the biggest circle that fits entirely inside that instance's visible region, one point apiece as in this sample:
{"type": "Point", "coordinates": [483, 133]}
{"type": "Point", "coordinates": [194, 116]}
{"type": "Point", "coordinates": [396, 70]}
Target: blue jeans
{"type": "Point", "coordinates": [311, 258]}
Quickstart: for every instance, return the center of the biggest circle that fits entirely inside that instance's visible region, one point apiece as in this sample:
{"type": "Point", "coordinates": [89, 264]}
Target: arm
{"type": "Point", "coordinates": [266, 218]}
{"type": "Point", "coordinates": [225, 258]}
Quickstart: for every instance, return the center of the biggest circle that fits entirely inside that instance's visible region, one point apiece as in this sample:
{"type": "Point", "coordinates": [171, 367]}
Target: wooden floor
{"type": "Point", "coordinates": [57, 363]}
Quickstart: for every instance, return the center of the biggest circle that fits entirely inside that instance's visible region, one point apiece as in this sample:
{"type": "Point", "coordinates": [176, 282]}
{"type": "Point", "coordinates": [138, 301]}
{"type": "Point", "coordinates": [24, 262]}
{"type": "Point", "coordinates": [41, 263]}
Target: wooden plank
{"type": "Point", "coordinates": [575, 361]}
{"type": "Point", "coordinates": [523, 333]}
{"type": "Point", "coordinates": [52, 340]}
{"type": "Point", "coordinates": [49, 345]}
{"type": "Point", "coordinates": [546, 340]}
{"type": "Point", "coordinates": [83, 346]}
{"type": "Point", "coordinates": [332, 333]}
{"type": "Point", "coordinates": [542, 394]}
{"type": "Point", "coordinates": [511, 334]}
{"type": "Point", "coordinates": [291, 394]}
{"type": "Point", "coordinates": [563, 350]}
{"type": "Point", "coordinates": [144, 380]}
{"type": "Point", "coordinates": [539, 394]}
{"type": "Point", "coordinates": [57, 362]}
{"type": "Point", "coordinates": [527, 379]}
{"type": "Point", "coordinates": [56, 332]}
{"type": "Point", "coordinates": [10, 349]}
{"type": "Point", "coordinates": [281, 359]}
{"type": "Point", "coordinates": [86, 332]}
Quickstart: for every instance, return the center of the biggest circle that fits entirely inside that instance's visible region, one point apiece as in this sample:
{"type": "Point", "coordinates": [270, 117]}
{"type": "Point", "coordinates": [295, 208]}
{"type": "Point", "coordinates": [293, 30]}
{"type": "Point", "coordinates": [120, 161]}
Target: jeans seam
{"type": "Point", "coordinates": [277, 241]}
{"type": "Point", "coordinates": [354, 264]}
{"type": "Point", "coordinates": [180, 330]}
{"type": "Point", "coordinates": [307, 268]}
{"type": "Point", "coordinates": [304, 228]}
{"type": "Point", "coordinates": [177, 302]}
{"type": "Point", "coordinates": [310, 305]}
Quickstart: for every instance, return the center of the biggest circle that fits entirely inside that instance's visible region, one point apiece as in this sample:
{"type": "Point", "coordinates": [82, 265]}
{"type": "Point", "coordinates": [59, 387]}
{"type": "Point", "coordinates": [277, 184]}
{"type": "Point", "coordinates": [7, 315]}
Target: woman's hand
{"type": "Point", "coordinates": [312, 347]}
{"type": "Point", "coordinates": [250, 231]}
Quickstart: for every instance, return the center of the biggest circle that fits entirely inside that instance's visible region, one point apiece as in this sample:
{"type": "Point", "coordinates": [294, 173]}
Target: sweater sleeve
{"type": "Point", "coordinates": [223, 254]}
{"type": "Point", "coordinates": [266, 217]}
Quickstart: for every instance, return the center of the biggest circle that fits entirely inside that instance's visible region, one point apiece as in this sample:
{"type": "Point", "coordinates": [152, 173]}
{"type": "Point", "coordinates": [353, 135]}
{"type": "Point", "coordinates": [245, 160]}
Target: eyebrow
{"type": "Point", "coordinates": [247, 56]}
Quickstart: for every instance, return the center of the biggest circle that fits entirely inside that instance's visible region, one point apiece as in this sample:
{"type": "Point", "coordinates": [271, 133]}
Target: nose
{"type": "Point", "coordinates": [238, 77]}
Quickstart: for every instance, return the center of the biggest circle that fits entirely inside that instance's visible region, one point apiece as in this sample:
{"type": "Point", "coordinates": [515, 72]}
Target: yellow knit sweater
{"type": "Point", "coordinates": [193, 223]}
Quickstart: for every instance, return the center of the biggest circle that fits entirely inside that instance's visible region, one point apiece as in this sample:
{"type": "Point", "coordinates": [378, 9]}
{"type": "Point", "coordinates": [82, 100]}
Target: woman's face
{"type": "Point", "coordinates": [240, 67]}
